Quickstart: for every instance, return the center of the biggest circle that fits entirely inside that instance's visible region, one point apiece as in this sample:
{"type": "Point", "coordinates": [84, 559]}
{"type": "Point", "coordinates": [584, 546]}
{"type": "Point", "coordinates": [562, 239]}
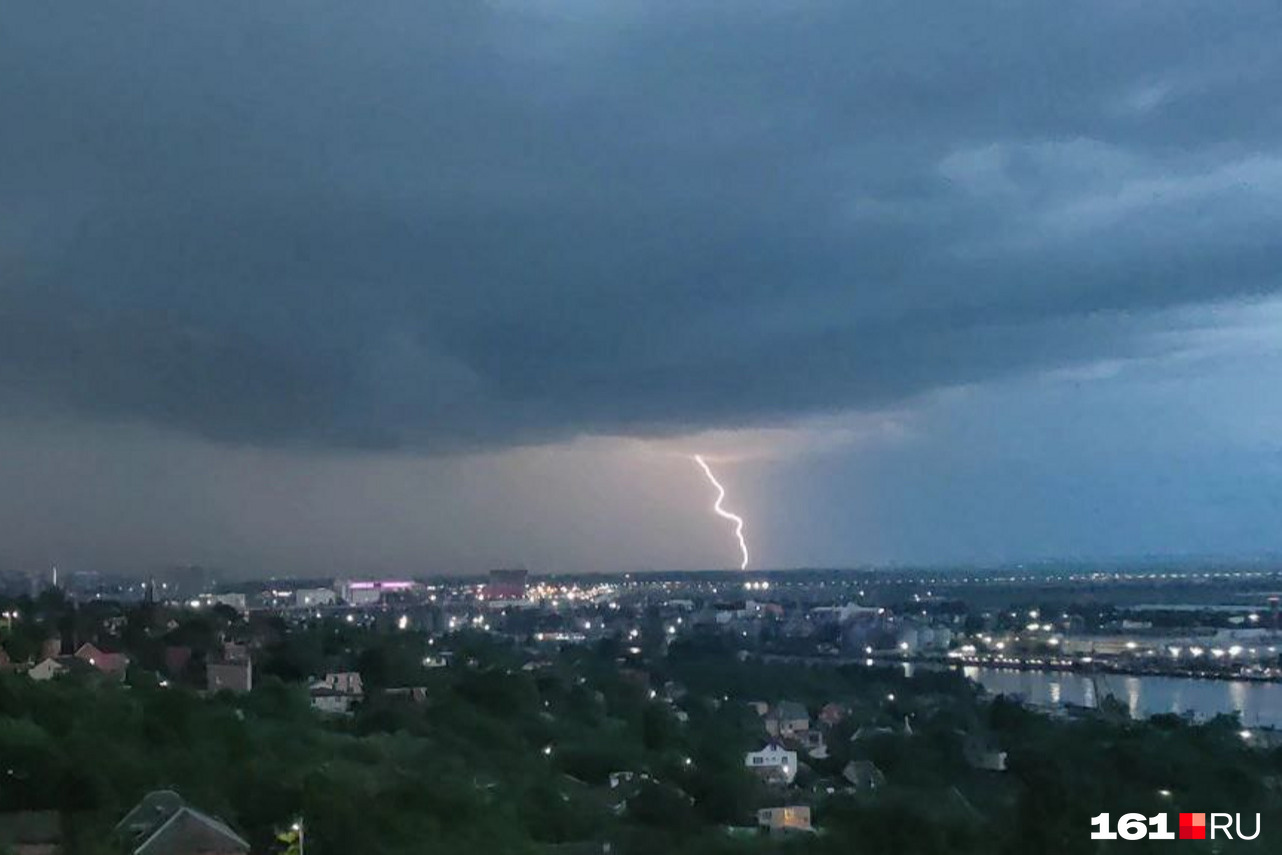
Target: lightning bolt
{"type": "Point", "coordinates": [722, 512]}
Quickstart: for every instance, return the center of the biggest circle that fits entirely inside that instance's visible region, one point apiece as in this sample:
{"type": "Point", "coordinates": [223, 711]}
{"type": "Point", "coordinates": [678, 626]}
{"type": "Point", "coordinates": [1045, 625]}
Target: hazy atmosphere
{"type": "Point", "coordinates": [438, 287]}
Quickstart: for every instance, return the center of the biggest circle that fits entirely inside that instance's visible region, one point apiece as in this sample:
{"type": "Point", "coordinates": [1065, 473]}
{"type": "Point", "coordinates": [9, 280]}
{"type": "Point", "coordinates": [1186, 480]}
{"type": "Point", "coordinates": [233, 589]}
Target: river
{"type": "Point", "coordinates": [1258, 703]}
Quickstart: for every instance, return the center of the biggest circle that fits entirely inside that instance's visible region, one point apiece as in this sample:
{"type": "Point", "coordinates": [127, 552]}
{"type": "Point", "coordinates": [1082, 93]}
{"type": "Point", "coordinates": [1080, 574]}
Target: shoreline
{"type": "Point", "coordinates": [1008, 664]}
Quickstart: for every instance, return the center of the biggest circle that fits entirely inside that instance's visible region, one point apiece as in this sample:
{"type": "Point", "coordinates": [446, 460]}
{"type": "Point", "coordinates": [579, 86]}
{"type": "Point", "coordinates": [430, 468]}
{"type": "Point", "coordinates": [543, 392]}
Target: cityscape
{"type": "Point", "coordinates": [778, 703]}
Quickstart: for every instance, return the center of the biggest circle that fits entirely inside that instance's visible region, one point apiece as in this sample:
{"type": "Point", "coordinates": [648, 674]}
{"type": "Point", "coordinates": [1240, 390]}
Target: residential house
{"type": "Point", "coordinates": [31, 832]}
{"type": "Point", "coordinates": [982, 754]}
{"type": "Point", "coordinates": [347, 682]}
{"type": "Point", "coordinates": [863, 776]}
{"type": "Point", "coordinates": [786, 719]}
{"type": "Point", "coordinates": [812, 742]}
{"type": "Point", "coordinates": [112, 664]}
{"type": "Point", "coordinates": [59, 666]}
{"type": "Point", "coordinates": [625, 777]}
{"type": "Point", "coordinates": [331, 701]}
{"type": "Point", "coordinates": [832, 714]}
{"type": "Point", "coordinates": [235, 652]}
{"type": "Point", "coordinates": [232, 676]}
{"type": "Point", "coordinates": [163, 824]}
{"type": "Point", "coordinates": [417, 694]}
{"type": "Point", "coordinates": [336, 692]}
{"type": "Point", "coordinates": [624, 787]}
{"type": "Point", "coordinates": [785, 818]}
{"type": "Point", "coordinates": [774, 763]}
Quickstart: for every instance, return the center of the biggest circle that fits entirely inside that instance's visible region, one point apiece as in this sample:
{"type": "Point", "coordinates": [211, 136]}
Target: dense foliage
{"type": "Point", "coordinates": [513, 751]}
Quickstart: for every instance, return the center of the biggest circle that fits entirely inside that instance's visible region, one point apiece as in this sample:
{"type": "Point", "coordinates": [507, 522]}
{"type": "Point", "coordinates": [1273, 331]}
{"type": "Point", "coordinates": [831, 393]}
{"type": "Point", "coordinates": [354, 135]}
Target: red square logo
{"type": "Point", "coordinates": [1192, 826]}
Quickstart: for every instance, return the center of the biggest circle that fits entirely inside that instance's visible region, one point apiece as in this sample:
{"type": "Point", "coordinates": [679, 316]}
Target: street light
{"type": "Point", "coordinates": [298, 828]}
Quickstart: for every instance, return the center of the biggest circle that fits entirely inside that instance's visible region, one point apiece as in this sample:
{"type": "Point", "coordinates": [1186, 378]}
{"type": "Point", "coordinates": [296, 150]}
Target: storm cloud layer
{"type": "Point", "coordinates": [460, 225]}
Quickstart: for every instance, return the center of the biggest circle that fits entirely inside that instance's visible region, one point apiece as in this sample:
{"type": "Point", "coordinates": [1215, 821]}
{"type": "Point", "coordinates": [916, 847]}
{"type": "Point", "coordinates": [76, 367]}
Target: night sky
{"type": "Point", "coordinates": [306, 287]}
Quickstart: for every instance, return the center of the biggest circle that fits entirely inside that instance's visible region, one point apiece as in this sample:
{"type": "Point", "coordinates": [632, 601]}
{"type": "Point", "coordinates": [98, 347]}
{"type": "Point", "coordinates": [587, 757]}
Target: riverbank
{"type": "Point", "coordinates": [1075, 666]}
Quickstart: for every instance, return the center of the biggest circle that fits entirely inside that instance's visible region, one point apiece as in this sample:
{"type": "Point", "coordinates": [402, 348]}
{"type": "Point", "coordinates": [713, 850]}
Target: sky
{"type": "Point", "coordinates": [419, 288]}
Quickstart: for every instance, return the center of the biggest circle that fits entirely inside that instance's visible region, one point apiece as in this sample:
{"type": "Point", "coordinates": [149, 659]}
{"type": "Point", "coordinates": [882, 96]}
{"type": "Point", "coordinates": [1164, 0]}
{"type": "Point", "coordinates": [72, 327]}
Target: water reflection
{"type": "Point", "coordinates": [1132, 685]}
{"type": "Point", "coordinates": [1257, 703]}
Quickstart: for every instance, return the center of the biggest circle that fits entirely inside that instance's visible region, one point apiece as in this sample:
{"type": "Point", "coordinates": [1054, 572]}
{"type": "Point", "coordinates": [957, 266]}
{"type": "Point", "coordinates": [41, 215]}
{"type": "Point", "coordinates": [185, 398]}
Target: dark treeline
{"type": "Point", "coordinates": [513, 750]}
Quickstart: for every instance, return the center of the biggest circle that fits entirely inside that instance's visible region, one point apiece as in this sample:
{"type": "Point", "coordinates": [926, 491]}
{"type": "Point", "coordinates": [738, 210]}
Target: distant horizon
{"type": "Point", "coordinates": [1215, 563]}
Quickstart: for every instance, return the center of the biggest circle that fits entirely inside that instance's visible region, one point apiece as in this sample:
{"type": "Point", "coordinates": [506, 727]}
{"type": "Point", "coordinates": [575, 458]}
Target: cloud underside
{"type": "Point", "coordinates": [452, 226]}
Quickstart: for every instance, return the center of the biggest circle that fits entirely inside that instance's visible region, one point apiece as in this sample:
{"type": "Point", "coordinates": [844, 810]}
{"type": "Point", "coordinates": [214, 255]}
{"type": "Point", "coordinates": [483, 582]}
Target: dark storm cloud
{"type": "Point", "coordinates": [458, 224]}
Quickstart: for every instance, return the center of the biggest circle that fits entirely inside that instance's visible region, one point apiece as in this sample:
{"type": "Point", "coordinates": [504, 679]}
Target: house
{"type": "Point", "coordinates": [832, 714]}
{"type": "Point", "coordinates": [235, 652]}
{"type": "Point", "coordinates": [863, 776]}
{"type": "Point", "coordinates": [812, 742]}
{"type": "Point", "coordinates": [417, 694]}
{"type": "Point", "coordinates": [982, 754]}
{"type": "Point", "coordinates": [232, 676]}
{"type": "Point", "coordinates": [31, 832]}
{"type": "Point", "coordinates": [336, 692]}
{"type": "Point", "coordinates": [59, 666]}
{"type": "Point", "coordinates": [111, 664]}
{"type": "Point", "coordinates": [163, 824]}
{"type": "Point", "coordinates": [774, 763]}
{"type": "Point", "coordinates": [787, 718]}
{"type": "Point", "coordinates": [347, 682]}
{"type": "Point", "coordinates": [624, 787]}
{"type": "Point", "coordinates": [625, 777]}
{"type": "Point", "coordinates": [331, 701]}
{"type": "Point", "coordinates": [987, 760]}
{"type": "Point", "coordinates": [786, 818]}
